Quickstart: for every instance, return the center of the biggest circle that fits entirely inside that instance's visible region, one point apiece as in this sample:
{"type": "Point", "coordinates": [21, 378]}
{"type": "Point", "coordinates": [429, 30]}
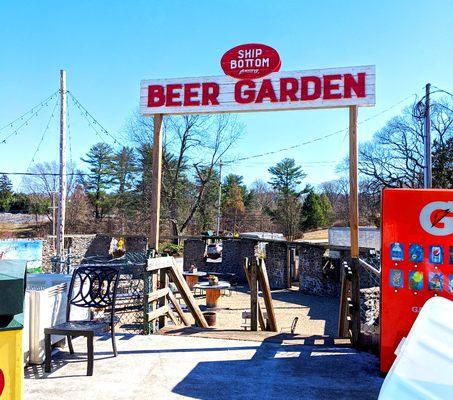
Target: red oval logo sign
{"type": "Point", "coordinates": [250, 61]}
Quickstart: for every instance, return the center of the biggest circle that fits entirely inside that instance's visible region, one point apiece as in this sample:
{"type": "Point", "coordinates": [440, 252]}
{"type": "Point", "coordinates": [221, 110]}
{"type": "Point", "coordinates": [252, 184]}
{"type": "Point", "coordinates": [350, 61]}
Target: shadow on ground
{"type": "Point", "coordinates": [174, 367]}
{"type": "Point", "coordinates": [286, 371]}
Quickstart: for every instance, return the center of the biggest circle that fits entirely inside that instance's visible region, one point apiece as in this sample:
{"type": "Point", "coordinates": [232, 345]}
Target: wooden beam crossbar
{"type": "Point", "coordinates": [152, 315]}
{"type": "Point", "coordinates": [266, 289]}
{"type": "Point", "coordinates": [187, 296]}
{"type": "Point", "coordinates": [158, 294]}
{"type": "Point", "coordinates": [261, 319]}
{"type": "Point", "coordinates": [256, 274]}
{"type": "Point", "coordinates": [178, 308]}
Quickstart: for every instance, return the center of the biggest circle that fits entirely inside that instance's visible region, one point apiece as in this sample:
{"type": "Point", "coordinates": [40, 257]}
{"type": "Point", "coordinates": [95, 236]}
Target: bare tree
{"type": "Point", "coordinates": [193, 146]}
{"type": "Point", "coordinates": [337, 191]}
{"type": "Point", "coordinates": [45, 178]}
{"type": "Point", "coordinates": [45, 181]}
{"type": "Point", "coordinates": [219, 135]}
{"type": "Point", "coordinates": [263, 200]}
{"type": "Point", "coordinates": [394, 157]}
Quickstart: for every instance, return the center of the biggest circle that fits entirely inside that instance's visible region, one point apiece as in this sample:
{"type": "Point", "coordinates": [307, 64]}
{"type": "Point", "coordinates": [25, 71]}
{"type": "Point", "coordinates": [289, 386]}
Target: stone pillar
{"type": "Point", "coordinates": [277, 265]}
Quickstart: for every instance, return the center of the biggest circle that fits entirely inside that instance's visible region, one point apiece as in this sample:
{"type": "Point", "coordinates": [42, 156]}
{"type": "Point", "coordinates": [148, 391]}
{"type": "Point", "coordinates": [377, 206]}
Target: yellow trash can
{"type": "Point", "coordinates": [11, 365]}
{"type": "Point", "coordinates": [12, 290]}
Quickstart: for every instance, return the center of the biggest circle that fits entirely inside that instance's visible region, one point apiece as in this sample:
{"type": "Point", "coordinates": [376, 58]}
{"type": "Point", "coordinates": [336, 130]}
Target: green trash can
{"type": "Point", "coordinates": [12, 291]}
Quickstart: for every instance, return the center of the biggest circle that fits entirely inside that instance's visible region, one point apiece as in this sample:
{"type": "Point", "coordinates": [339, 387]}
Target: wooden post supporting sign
{"type": "Point", "coordinates": [156, 182]}
{"type": "Point", "coordinates": [353, 182]}
{"type": "Point", "coordinates": [354, 221]}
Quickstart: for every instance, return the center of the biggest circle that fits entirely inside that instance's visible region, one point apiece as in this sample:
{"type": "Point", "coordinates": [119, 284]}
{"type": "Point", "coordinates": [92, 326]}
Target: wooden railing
{"type": "Point", "coordinates": [160, 302]}
{"type": "Point", "coordinates": [346, 310]}
{"type": "Point", "coordinates": [349, 320]}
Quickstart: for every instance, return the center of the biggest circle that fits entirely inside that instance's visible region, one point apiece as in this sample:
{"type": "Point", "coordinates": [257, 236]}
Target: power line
{"type": "Point", "coordinates": [441, 90]}
{"type": "Point", "coordinates": [46, 173]}
{"type": "Point", "coordinates": [320, 137]}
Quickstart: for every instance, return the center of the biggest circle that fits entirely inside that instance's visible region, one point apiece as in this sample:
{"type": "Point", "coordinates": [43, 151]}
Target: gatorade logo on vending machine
{"type": "Point", "coordinates": [436, 218]}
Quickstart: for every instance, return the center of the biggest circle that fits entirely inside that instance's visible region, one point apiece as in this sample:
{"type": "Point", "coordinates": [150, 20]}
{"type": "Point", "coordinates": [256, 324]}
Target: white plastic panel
{"type": "Point", "coordinates": [423, 368]}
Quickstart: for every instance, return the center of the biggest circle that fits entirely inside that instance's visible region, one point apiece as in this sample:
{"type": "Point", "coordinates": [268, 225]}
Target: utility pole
{"type": "Point", "coordinates": [427, 176]}
{"type": "Point", "coordinates": [219, 204]}
{"type": "Point", "coordinates": [62, 203]}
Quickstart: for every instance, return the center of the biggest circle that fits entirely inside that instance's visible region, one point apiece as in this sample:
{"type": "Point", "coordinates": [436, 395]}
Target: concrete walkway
{"type": "Point", "coordinates": [179, 367]}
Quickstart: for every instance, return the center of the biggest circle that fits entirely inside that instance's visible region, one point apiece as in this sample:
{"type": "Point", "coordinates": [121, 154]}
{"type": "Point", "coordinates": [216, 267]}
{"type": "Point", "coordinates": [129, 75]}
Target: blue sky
{"type": "Point", "coordinates": [107, 47]}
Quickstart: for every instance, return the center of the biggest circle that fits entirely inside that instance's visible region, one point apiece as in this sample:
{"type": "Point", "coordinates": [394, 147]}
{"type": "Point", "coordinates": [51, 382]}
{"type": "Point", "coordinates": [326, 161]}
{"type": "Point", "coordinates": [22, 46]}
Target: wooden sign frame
{"type": "Point", "coordinates": [185, 96]}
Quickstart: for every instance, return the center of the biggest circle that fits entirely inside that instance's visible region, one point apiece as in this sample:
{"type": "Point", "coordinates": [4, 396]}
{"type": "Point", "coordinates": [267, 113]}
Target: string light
{"type": "Point", "coordinates": [92, 122]}
{"type": "Point", "coordinates": [43, 135]}
{"type": "Point", "coordinates": [40, 141]}
{"type": "Point", "coordinates": [44, 173]}
{"type": "Point", "coordinates": [69, 132]}
{"type": "Point", "coordinates": [33, 111]}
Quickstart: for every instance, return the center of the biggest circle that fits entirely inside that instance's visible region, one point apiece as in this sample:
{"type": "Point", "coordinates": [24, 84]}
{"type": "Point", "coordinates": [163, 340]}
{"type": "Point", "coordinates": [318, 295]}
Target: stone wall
{"type": "Point", "coordinates": [233, 254]}
{"type": "Point", "coordinates": [79, 245]}
{"type": "Point", "coordinates": [314, 279]}
{"type": "Point", "coordinates": [89, 245]}
{"type": "Point", "coordinates": [194, 250]}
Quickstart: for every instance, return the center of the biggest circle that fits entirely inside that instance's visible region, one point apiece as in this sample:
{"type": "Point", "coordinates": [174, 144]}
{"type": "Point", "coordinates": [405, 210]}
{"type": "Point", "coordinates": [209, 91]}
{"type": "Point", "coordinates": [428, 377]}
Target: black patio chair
{"type": "Point", "coordinates": [91, 286]}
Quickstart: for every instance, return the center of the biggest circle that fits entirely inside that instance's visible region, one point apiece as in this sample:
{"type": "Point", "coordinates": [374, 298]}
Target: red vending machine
{"type": "Point", "coordinates": [417, 259]}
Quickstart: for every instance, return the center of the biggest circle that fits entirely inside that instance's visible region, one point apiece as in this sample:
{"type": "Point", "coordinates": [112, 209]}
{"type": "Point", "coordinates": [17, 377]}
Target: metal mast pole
{"type": "Point", "coordinates": [428, 181]}
{"type": "Point", "coordinates": [62, 202]}
{"type": "Point", "coordinates": [54, 220]}
{"type": "Point", "coordinates": [219, 204]}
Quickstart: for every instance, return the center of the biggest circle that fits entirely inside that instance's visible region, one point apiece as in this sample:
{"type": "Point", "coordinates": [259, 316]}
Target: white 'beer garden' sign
{"type": "Point", "coordinates": [254, 83]}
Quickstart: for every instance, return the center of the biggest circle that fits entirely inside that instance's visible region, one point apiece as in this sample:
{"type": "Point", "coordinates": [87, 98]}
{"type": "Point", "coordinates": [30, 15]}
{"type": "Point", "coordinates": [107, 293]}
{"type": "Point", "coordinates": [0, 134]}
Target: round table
{"type": "Point", "coordinates": [192, 277]}
{"type": "Point", "coordinates": [212, 292]}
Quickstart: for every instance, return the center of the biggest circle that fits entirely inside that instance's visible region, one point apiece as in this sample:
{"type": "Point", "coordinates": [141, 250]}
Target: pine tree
{"type": "Point", "coordinates": [314, 212]}
{"type": "Point", "coordinates": [124, 171]}
{"type": "Point", "coordinates": [100, 164]}
{"type": "Point", "coordinates": [233, 205]}
{"type": "Point", "coordinates": [286, 177]}
{"type": "Point", "coordinates": [285, 180]}
{"type": "Point", "coordinates": [443, 164]}
{"type": "Point", "coordinates": [6, 193]}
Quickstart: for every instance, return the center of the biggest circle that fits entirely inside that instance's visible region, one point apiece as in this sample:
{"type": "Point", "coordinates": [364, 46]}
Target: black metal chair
{"type": "Point", "coordinates": [91, 286]}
